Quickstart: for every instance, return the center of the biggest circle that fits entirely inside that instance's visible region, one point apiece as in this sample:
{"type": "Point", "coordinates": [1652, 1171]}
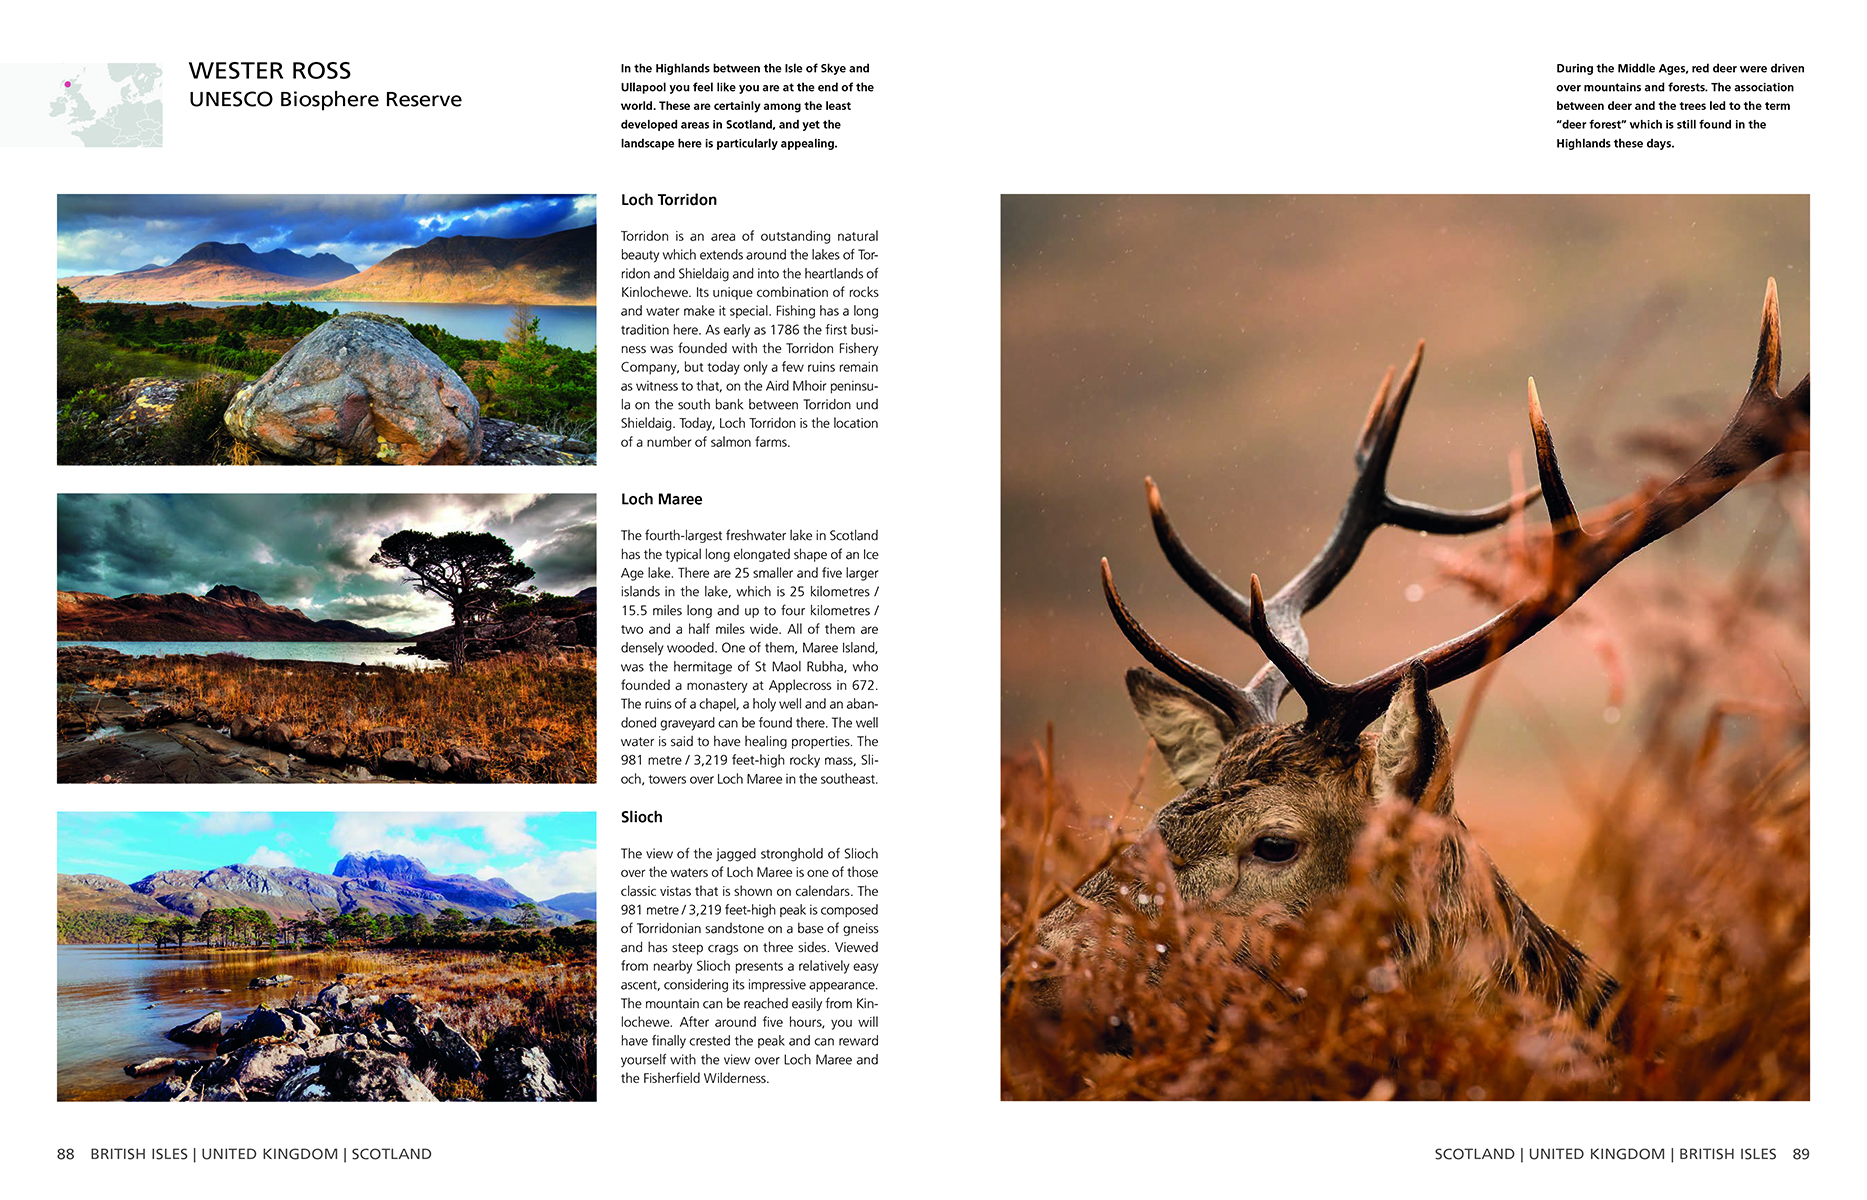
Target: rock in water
{"type": "Point", "coordinates": [358, 389]}
{"type": "Point", "coordinates": [202, 1029]}
{"type": "Point", "coordinates": [150, 1066]}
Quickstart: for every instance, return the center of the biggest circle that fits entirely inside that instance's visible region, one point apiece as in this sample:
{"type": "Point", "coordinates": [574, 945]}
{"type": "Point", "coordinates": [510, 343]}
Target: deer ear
{"type": "Point", "coordinates": [1413, 755]}
{"type": "Point", "coordinates": [1189, 731]}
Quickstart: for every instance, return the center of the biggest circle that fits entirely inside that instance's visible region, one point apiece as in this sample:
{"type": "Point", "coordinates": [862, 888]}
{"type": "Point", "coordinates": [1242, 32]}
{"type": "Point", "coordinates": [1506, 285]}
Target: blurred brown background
{"type": "Point", "coordinates": [1229, 347]}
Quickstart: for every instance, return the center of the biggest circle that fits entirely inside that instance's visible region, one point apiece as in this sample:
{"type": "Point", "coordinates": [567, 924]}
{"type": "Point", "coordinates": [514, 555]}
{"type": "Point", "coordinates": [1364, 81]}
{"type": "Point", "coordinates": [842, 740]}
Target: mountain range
{"type": "Point", "coordinates": [225, 614]}
{"type": "Point", "coordinates": [581, 905]}
{"type": "Point", "coordinates": [553, 268]}
{"type": "Point", "coordinates": [210, 271]}
{"type": "Point", "coordinates": [377, 881]}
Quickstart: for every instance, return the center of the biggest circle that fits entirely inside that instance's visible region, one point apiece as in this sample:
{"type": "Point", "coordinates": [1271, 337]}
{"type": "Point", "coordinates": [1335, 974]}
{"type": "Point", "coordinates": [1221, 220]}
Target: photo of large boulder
{"type": "Point", "coordinates": [358, 389]}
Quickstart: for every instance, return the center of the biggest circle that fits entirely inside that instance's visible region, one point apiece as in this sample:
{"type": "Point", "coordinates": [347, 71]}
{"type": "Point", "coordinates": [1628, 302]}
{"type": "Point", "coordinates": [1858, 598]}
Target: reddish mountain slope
{"type": "Point", "coordinates": [211, 271]}
{"type": "Point", "coordinates": [224, 614]}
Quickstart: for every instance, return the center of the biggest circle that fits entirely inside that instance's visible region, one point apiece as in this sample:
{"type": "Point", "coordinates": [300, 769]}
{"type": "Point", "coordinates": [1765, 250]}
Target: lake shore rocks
{"type": "Point", "coordinates": [150, 1066]}
{"type": "Point", "coordinates": [346, 1049]}
{"type": "Point", "coordinates": [358, 389]}
{"type": "Point", "coordinates": [201, 1030]}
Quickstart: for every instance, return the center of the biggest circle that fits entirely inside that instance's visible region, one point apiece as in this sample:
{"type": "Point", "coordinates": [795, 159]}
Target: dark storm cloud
{"type": "Point", "coordinates": [561, 561]}
{"type": "Point", "coordinates": [101, 234]}
{"type": "Point", "coordinates": [374, 609]}
{"type": "Point", "coordinates": [556, 536]}
{"type": "Point", "coordinates": [309, 552]}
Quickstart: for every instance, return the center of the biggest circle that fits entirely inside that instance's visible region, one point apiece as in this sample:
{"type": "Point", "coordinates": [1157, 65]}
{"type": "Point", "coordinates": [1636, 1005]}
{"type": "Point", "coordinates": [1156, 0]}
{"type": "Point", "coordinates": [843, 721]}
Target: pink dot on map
{"type": "Point", "coordinates": [68, 83]}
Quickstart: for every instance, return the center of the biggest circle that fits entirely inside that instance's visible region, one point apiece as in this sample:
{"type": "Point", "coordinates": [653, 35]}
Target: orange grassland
{"type": "Point", "coordinates": [534, 716]}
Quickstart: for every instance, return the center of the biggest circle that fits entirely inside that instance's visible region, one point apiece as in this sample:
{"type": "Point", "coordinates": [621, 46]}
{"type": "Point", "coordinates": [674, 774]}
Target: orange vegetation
{"type": "Point", "coordinates": [533, 715]}
{"type": "Point", "coordinates": [479, 994]}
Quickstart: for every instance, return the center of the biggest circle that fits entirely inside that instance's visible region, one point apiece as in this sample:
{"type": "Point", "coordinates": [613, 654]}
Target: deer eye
{"type": "Point", "coordinates": [1274, 849]}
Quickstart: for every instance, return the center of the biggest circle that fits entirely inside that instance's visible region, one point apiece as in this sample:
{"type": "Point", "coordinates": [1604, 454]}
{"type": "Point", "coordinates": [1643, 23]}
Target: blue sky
{"type": "Point", "coordinates": [101, 235]}
{"type": "Point", "coordinates": [541, 854]}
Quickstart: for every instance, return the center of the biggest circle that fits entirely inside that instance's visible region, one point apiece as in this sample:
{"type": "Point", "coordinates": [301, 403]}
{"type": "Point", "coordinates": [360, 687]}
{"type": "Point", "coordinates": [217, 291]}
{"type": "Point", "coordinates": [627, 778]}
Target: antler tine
{"type": "Point", "coordinates": [1207, 585]}
{"type": "Point", "coordinates": [1372, 421]}
{"type": "Point", "coordinates": [1380, 446]}
{"type": "Point", "coordinates": [1766, 425]}
{"type": "Point", "coordinates": [1769, 344]}
{"type": "Point", "coordinates": [1564, 525]}
{"type": "Point", "coordinates": [1226, 695]}
{"type": "Point", "coordinates": [1320, 697]}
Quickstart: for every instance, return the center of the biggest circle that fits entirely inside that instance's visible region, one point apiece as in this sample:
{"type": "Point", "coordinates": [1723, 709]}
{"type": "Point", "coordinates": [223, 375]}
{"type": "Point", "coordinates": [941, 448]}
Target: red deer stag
{"type": "Point", "coordinates": [1270, 812]}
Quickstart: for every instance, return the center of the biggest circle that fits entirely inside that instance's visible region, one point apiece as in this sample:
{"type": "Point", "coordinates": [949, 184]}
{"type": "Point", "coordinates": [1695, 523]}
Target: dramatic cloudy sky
{"type": "Point", "coordinates": [541, 854]}
{"type": "Point", "coordinates": [309, 552]}
{"type": "Point", "coordinates": [100, 235]}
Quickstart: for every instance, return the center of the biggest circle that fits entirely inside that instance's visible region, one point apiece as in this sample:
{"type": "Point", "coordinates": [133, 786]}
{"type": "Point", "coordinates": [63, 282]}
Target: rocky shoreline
{"type": "Point", "coordinates": [344, 1048]}
{"type": "Point", "coordinates": [122, 735]}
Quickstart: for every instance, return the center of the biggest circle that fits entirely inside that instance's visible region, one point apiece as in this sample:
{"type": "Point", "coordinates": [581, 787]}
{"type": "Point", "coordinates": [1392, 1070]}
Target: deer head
{"type": "Point", "coordinates": [1269, 812]}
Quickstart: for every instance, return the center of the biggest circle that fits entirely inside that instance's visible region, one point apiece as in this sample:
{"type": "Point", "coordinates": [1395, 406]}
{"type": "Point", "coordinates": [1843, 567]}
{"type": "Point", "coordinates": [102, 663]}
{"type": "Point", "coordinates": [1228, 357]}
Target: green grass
{"type": "Point", "coordinates": [89, 361]}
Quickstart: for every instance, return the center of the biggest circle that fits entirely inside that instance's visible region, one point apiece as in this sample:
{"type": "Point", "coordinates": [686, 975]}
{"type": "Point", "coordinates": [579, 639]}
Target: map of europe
{"type": "Point", "coordinates": [81, 104]}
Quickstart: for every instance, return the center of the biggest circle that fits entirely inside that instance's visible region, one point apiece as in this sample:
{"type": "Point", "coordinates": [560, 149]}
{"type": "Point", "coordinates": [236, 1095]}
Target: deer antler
{"type": "Point", "coordinates": [1370, 505]}
{"type": "Point", "coordinates": [1767, 424]}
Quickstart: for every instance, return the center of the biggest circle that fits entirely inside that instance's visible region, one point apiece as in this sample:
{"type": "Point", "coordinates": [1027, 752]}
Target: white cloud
{"type": "Point", "coordinates": [549, 875]}
{"type": "Point", "coordinates": [222, 823]}
{"type": "Point", "coordinates": [266, 856]}
{"type": "Point", "coordinates": [93, 250]}
{"type": "Point", "coordinates": [414, 834]}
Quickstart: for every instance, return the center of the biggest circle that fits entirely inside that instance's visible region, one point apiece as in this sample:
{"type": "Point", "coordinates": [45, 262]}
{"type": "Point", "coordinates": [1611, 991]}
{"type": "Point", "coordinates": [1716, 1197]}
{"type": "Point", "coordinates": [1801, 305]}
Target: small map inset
{"type": "Point", "coordinates": [81, 104]}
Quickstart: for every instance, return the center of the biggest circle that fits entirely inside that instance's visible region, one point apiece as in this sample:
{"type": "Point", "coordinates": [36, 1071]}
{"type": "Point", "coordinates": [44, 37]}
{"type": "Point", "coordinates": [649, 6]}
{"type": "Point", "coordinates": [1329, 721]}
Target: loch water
{"type": "Point", "coordinates": [366, 654]}
{"type": "Point", "coordinates": [116, 1003]}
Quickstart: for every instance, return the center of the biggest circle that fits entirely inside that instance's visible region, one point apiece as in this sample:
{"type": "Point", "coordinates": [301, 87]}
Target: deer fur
{"type": "Point", "coordinates": [1284, 780]}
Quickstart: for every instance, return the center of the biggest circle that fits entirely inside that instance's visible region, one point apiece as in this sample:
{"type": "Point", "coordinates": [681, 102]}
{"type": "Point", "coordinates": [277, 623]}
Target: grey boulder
{"type": "Point", "coordinates": [358, 389]}
{"type": "Point", "coordinates": [356, 1075]}
{"type": "Point", "coordinates": [449, 1050]}
{"type": "Point", "coordinates": [516, 1070]}
{"type": "Point", "coordinates": [202, 1029]}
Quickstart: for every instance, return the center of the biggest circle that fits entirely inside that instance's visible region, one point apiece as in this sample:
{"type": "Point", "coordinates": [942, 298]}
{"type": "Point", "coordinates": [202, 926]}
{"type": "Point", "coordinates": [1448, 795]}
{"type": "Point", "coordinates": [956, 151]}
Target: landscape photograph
{"type": "Point", "coordinates": [305, 330]}
{"type": "Point", "coordinates": [1406, 648]}
{"type": "Point", "coordinates": [326, 956]}
{"type": "Point", "coordinates": [327, 638]}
